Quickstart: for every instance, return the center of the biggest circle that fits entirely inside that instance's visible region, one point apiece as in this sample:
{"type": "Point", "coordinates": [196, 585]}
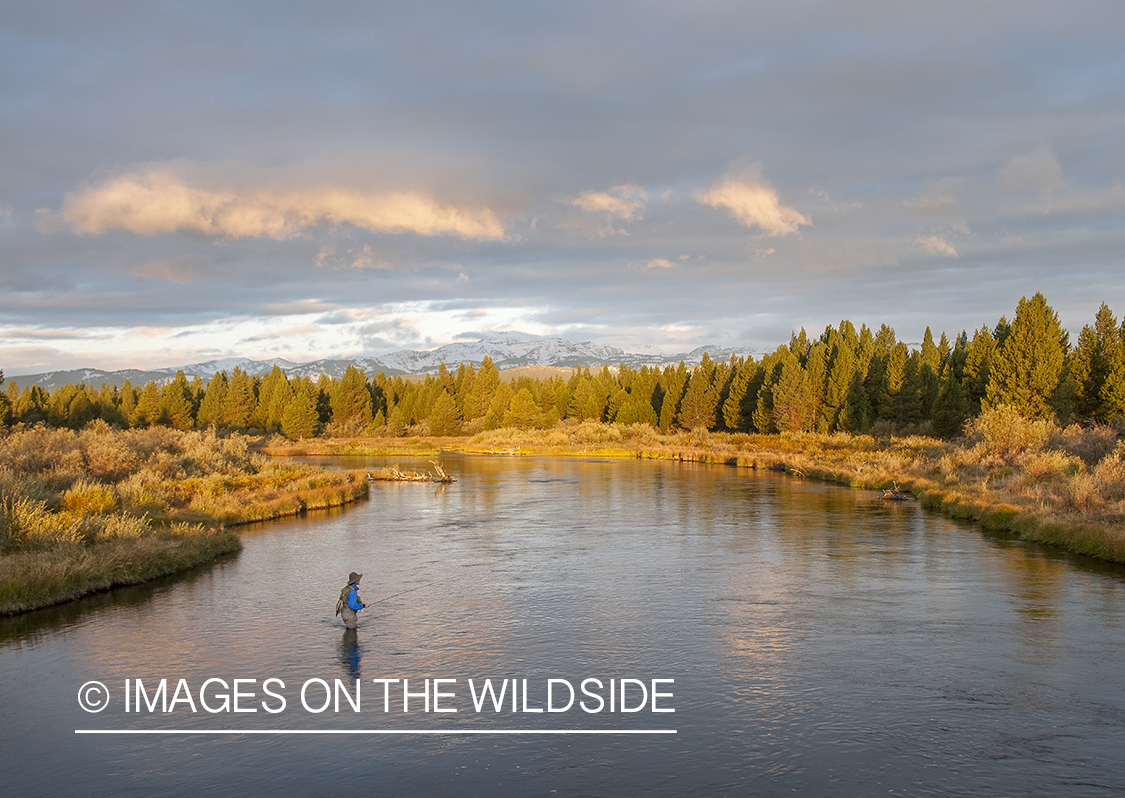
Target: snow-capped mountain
{"type": "Point", "coordinates": [507, 350]}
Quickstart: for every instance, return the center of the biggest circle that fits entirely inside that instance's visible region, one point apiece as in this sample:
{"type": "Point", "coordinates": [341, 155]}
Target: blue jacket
{"type": "Point", "coordinates": [353, 598]}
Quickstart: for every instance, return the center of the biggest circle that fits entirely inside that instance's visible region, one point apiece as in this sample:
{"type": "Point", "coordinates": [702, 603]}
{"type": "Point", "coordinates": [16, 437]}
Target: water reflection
{"type": "Point", "coordinates": [350, 653]}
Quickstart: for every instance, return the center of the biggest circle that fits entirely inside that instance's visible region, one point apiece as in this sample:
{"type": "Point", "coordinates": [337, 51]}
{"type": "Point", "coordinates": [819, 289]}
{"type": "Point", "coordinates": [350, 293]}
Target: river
{"type": "Point", "coordinates": [811, 639]}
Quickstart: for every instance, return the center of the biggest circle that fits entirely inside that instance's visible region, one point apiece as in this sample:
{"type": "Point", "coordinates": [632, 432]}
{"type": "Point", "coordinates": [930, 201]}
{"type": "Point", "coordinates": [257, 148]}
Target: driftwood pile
{"type": "Point", "coordinates": [392, 474]}
{"type": "Point", "coordinates": [894, 494]}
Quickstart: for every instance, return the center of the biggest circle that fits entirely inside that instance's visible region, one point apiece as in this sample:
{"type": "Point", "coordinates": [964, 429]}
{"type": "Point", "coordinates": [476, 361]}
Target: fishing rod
{"type": "Point", "coordinates": [409, 590]}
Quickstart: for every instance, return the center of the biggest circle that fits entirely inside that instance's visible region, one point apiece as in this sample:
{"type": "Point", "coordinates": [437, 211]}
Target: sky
{"type": "Point", "coordinates": [185, 181]}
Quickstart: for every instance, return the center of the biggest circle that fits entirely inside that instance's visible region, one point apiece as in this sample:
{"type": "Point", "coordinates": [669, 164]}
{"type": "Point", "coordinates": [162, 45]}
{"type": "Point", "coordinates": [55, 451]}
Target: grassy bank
{"type": "Point", "coordinates": [1064, 487]}
{"type": "Point", "coordinates": [87, 511]}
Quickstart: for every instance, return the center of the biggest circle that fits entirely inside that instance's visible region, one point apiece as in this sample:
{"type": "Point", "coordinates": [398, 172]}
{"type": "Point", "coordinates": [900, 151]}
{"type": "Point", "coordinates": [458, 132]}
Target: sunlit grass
{"type": "Point", "coordinates": [83, 511]}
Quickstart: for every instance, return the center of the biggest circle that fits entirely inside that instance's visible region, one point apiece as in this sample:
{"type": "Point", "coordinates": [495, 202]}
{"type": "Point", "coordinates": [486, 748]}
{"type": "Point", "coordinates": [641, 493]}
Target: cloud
{"type": "Point", "coordinates": [274, 335]}
{"type": "Point", "coordinates": [48, 334]}
{"type": "Point", "coordinates": [661, 263]}
{"type": "Point", "coordinates": [936, 245]}
{"type": "Point", "coordinates": [748, 197]}
{"type": "Point", "coordinates": [365, 258]}
{"type": "Point", "coordinates": [154, 202]}
{"type": "Point", "coordinates": [1038, 172]}
{"type": "Point", "coordinates": [625, 202]}
{"type": "Point", "coordinates": [176, 267]}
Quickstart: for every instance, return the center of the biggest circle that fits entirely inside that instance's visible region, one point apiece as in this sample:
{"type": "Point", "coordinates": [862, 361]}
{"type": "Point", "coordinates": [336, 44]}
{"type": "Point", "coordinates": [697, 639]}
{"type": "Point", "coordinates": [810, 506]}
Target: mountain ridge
{"type": "Point", "coordinates": [507, 350]}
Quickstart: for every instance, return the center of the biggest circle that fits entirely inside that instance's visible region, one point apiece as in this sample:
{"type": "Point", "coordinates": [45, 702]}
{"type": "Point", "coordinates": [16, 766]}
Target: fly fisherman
{"type": "Point", "coordinates": [349, 602]}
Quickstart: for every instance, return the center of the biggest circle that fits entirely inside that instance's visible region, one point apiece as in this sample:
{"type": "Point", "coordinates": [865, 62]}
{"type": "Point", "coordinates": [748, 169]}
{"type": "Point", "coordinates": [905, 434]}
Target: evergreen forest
{"type": "Point", "coordinates": [844, 379]}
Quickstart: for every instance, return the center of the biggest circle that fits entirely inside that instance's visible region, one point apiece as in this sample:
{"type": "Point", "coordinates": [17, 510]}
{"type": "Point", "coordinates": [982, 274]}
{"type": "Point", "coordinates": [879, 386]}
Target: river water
{"type": "Point", "coordinates": [817, 640]}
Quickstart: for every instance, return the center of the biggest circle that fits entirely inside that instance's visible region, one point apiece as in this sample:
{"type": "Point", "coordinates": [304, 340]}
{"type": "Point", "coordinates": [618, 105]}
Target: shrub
{"type": "Point", "coordinates": [89, 498]}
{"type": "Point", "coordinates": [1109, 476]}
{"type": "Point", "coordinates": [1052, 466]}
{"type": "Point", "coordinates": [1005, 433]}
{"type": "Point", "coordinates": [1090, 443]}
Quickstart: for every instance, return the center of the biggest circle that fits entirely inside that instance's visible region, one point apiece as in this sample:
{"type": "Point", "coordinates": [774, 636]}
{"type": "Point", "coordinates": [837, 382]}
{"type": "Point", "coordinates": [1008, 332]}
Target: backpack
{"type": "Point", "coordinates": [343, 598]}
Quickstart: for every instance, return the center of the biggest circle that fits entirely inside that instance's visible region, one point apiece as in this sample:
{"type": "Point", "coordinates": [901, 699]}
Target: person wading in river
{"type": "Point", "coordinates": [349, 602]}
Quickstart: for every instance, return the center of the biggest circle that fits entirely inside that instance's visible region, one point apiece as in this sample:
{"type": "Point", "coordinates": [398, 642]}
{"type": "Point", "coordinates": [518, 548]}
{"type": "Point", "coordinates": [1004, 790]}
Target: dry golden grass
{"type": "Point", "coordinates": [33, 579]}
{"type": "Point", "coordinates": [121, 507]}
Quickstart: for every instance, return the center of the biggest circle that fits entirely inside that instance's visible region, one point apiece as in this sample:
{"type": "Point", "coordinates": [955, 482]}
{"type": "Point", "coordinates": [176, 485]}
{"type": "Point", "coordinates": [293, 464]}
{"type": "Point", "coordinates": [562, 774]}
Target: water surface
{"type": "Point", "coordinates": [821, 641]}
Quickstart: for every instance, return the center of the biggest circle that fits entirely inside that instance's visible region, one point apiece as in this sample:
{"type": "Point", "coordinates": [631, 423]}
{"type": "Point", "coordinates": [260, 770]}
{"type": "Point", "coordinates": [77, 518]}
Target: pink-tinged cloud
{"type": "Point", "coordinates": [622, 202]}
{"type": "Point", "coordinates": [155, 202]}
{"type": "Point", "coordinates": [753, 201]}
{"type": "Point", "coordinates": [661, 263]}
{"type": "Point", "coordinates": [936, 245]}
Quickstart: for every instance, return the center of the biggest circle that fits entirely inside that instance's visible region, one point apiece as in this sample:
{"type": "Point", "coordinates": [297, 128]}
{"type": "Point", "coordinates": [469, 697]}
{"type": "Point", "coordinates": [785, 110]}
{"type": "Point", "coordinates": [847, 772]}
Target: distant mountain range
{"type": "Point", "coordinates": [507, 350]}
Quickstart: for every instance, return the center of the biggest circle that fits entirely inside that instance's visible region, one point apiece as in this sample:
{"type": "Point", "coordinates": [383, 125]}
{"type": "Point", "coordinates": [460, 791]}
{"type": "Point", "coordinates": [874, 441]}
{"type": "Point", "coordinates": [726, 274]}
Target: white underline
{"type": "Point", "coordinates": [375, 731]}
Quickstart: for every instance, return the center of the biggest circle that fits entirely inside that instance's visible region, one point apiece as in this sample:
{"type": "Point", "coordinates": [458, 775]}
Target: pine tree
{"type": "Point", "coordinates": [816, 380]}
{"type": "Point", "coordinates": [128, 404]}
{"type": "Point", "coordinates": [176, 403]}
{"type": "Point", "coordinates": [932, 359]}
{"type": "Point", "coordinates": [211, 408]}
{"type": "Point", "coordinates": [81, 410]}
{"type": "Point", "coordinates": [799, 346]}
{"type": "Point", "coordinates": [299, 418]}
{"type": "Point", "coordinates": [1113, 391]}
{"type": "Point", "coordinates": [478, 396]}
{"type": "Point", "coordinates": [555, 398]}
{"type": "Point", "coordinates": [1002, 331]}
{"type": "Point", "coordinates": [522, 411]}
{"type": "Point", "coordinates": [978, 368]}
{"type": "Point", "coordinates": [763, 416]}
{"type": "Point", "coordinates": [792, 397]}
{"type": "Point", "coordinates": [736, 414]}
{"type": "Point", "coordinates": [636, 410]}
{"type": "Point", "coordinates": [498, 405]}
{"type": "Point", "coordinates": [351, 399]}
{"type": "Point", "coordinates": [700, 404]}
{"type": "Point", "coordinates": [443, 416]}
{"type": "Point", "coordinates": [32, 405]}
{"type": "Point", "coordinates": [5, 403]}
{"type": "Point", "coordinates": [839, 384]}
{"type": "Point", "coordinates": [463, 385]}
{"type": "Point", "coordinates": [239, 403]}
{"type": "Point", "coordinates": [1091, 364]}
{"type": "Point", "coordinates": [589, 400]}
{"type": "Point", "coordinates": [149, 409]}
{"type": "Point", "coordinates": [267, 412]}
{"type": "Point", "coordinates": [911, 399]}
{"type": "Point", "coordinates": [396, 422]}
{"type": "Point", "coordinates": [950, 407]}
{"type": "Point", "coordinates": [1028, 365]}
{"type": "Point", "coordinates": [58, 406]}
{"type": "Point", "coordinates": [890, 389]}
{"type": "Point", "coordinates": [675, 382]}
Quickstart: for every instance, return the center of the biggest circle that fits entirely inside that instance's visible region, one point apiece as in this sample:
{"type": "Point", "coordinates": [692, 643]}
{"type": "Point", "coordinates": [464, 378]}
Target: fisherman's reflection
{"type": "Point", "coordinates": [350, 652]}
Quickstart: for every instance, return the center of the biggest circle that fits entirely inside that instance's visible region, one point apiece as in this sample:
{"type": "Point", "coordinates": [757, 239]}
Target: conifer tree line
{"type": "Point", "coordinates": [843, 380]}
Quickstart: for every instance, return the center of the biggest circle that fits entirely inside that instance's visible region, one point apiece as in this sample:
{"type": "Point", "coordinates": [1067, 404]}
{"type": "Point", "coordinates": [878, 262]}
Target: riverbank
{"type": "Point", "coordinates": [1063, 487]}
{"type": "Point", "coordinates": [82, 512]}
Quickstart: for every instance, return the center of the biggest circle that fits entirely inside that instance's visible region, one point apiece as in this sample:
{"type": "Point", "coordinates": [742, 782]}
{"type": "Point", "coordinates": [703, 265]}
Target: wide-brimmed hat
{"type": "Point", "coordinates": [353, 578]}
